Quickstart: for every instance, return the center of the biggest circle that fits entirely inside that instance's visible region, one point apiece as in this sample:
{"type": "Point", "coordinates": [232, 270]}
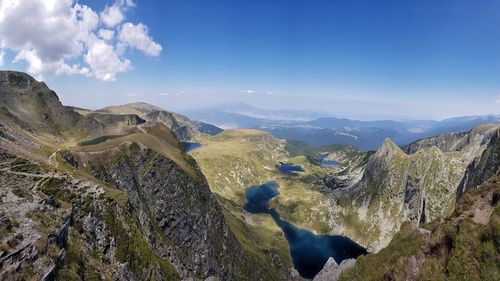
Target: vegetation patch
{"type": "Point", "coordinates": [23, 193]}
{"type": "Point", "coordinates": [52, 186]}
{"type": "Point", "coordinates": [134, 249]}
{"type": "Point", "coordinates": [98, 140]}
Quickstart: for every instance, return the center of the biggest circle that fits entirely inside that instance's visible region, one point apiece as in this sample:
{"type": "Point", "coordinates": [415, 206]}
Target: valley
{"type": "Point", "coordinates": [237, 140]}
{"type": "Point", "coordinates": [135, 192]}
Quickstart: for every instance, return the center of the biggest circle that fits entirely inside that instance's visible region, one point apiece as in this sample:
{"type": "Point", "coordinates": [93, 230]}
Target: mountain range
{"type": "Point", "coordinates": [111, 194]}
{"type": "Point", "coordinates": [319, 129]}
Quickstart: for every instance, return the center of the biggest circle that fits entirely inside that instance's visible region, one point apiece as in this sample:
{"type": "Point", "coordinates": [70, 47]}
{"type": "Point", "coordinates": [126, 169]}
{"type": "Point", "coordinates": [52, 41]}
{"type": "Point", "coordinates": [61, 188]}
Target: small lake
{"type": "Point", "coordinates": [330, 164]}
{"type": "Point", "coordinates": [327, 163]}
{"type": "Point", "coordinates": [190, 146]}
{"type": "Point", "coordinates": [258, 197]}
{"type": "Point", "coordinates": [288, 168]}
{"type": "Point", "coordinates": [321, 156]}
{"type": "Point", "coordinates": [309, 251]}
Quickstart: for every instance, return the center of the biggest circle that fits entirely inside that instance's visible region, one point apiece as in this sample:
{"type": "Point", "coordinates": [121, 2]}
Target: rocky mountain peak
{"type": "Point", "coordinates": [388, 147]}
{"type": "Point", "coordinates": [382, 157]}
{"type": "Point", "coordinates": [17, 79]}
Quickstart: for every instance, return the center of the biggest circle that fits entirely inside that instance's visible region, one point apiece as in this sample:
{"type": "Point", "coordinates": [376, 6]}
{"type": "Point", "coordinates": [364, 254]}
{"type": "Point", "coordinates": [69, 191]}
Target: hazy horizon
{"type": "Point", "coordinates": [356, 59]}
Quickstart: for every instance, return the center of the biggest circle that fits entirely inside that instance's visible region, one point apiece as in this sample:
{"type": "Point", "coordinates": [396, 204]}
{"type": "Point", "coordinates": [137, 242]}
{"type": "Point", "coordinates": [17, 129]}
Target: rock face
{"type": "Point", "coordinates": [37, 107]}
{"type": "Point", "coordinates": [447, 142]}
{"type": "Point", "coordinates": [419, 187]}
{"type": "Point", "coordinates": [184, 128]}
{"type": "Point", "coordinates": [173, 205]}
{"type": "Point", "coordinates": [331, 271]}
{"type": "Point", "coordinates": [117, 120]}
{"type": "Point", "coordinates": [460, 247]}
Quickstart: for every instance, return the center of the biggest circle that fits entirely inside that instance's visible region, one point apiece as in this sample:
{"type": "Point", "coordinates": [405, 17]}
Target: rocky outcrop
{"type": "Point", "coordinates": [184, 128]}
{"type": "Point", "coordinates": [331, 271]}
{"type": "Point", "coordinates": [460, 247]}
{"type": "Point", "coordinates": [484, 166]}
{"type": "Point", "coordinates": [447, 142]}
{"type": "Point", "coordinates": [423, 186]}
{"type": "Point", "coordinates": [174, 206]}
{"type": "Point", "coordinates": [33, 233]}
{"type": "Point", "coordinates": [36, 106]}
{"type": "Point", "coordinates": [117, 120]}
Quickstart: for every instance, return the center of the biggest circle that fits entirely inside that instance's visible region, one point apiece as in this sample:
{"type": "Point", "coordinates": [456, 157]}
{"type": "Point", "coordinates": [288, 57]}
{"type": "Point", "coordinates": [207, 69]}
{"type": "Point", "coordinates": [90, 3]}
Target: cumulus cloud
{"type": "Point", "coordinates": [136, 36]}
{"type": "Point", "coordinates": [104, 60]}
{"type": "Point", "coordinates": [65, 37]}
{"type": "Point", "coordinates": [111, 16]}
{"type": "Point", "coordinates": [106, 34]}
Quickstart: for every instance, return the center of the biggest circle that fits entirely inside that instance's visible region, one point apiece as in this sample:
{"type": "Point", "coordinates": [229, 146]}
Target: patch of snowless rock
{"type": "Point", "coordinates": [331, 271]}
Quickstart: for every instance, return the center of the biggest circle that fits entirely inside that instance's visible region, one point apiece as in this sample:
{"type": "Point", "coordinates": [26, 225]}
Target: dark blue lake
{"type": "Point", "coordinates": [287, 168]}
{"type": "Point", "coordinates": [309, 251]}
{"type": "Point", "coordinates": [330, 163]}
{"type": "Point", "coordinates": [258, 197]}
{"type": "Point", "coordinates": [322, 156]}
{"type": "Point", "coordinates": [190, 146]}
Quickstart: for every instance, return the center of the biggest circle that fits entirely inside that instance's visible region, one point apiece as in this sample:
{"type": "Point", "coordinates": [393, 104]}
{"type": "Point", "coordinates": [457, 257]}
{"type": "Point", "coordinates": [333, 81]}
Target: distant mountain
{"type": "Point", "coordinates": [184, 128]}
{"type": "Point", "coordinates": [265, 114]}
{"type": "Point", "coordinates": [139, 108]}
{"type": "Point", "coordinates": [365, 135]}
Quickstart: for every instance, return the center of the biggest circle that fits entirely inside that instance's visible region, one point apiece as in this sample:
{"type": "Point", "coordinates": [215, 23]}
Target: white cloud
{"type": "Point", "coordinates": [164, 94]}
{"type": "Point", "coordinates": [126, 3]}
{"type": "Point", "coordinates": [106, 34]}
{"type": "Point", "coordinates": [111, 16]}
{"type": "Point", "coordinates": [247, 91]}
{"type": "Point", "coordinates": [2, 55]}
{"type": "Point", "coordinates": [104, 61]}
{"type": "Point", "coordinates": [65, 37]}
{"type": "Point", "coordinates": [37, 66]}
{"type": "Point", "coordinates": [136, 36]}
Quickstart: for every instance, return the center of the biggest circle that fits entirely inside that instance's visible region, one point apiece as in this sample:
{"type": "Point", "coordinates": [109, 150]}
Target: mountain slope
{"type": "Point", "coordinates": [416, 188]}
{"type": "Point", "coordinates": [128, 207]}
{"type": "Point", "coordinates": [33, 103]}
{"type": "Point", "coordinates": [462, 247]}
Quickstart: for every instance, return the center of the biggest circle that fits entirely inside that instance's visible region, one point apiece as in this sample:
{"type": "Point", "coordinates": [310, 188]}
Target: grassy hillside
{"type": "Point", "coordinates": [236, 159]}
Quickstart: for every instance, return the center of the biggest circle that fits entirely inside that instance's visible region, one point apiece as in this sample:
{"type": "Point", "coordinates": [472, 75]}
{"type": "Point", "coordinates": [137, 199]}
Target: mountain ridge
{"type": "Point", "coordinates": [137, 198]}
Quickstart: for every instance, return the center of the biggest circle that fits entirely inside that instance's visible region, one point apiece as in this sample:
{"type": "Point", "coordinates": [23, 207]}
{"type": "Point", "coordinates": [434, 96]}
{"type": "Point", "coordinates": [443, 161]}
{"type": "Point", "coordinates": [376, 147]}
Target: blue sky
{"type": "Point", "coordinates": [418, 59]}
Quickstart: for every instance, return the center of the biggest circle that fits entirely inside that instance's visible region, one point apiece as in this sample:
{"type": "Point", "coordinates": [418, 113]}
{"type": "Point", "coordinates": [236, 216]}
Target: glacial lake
{"type": "Point", "coordinates": [258, 197]}
{"type": "Point", "coordinates": [327, 163]}
{"type": "Point", "coordinates": [190, 146]}
{"type": "Point", "coordinates": [309, 251]}
{"type": "Point", "coordinates": [330, 163]}
{"type": "Point", "coordinates": [288, 168]}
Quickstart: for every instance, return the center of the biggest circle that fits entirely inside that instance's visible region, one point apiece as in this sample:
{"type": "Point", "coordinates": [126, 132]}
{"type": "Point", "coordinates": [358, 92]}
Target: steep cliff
{"type": "Point", "coordinates": [131, 206]}
{"type": "Point", "coordinates": [464, 246]}
{"type": "Point", "coordinates": [174, 207]}
{"type": "Point", "coordinates": [420, 187]}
